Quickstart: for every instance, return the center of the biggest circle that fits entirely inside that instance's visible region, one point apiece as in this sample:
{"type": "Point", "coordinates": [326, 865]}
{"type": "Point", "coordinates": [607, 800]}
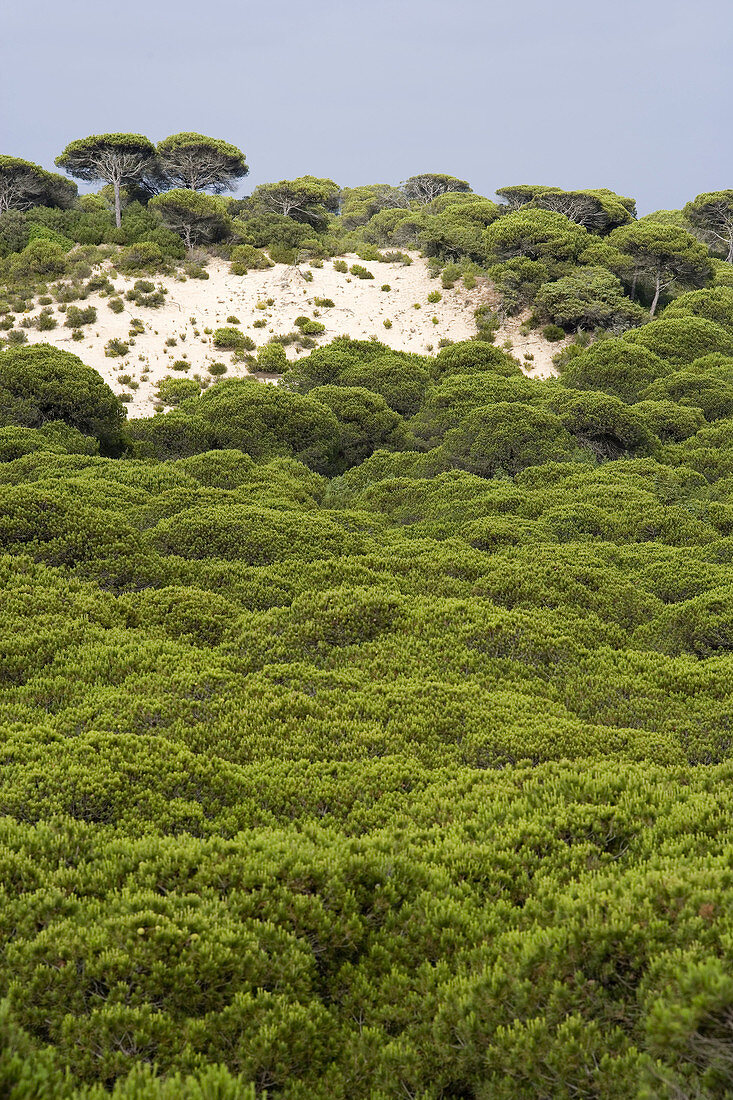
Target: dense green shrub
{"type": "Point", "coordinates": [76, 317]}
{"type": "Point", "coordinates": [591, 298]}
{"type": "Point", "coordinates": [506, 437]}
{"type": "Point", "coordinates": [680, 340]}
{"type": "Point", "coordinates": [230, 338]}
{"type": "Point", "coordinates": [244, 257]}
{"type": "Point", "coordinates": [615, 366]}
{"type": "Point", "coordinates": [42, 383]}
{"type": "Point", "coordinates": [172, 391]}
{"type": "Point", "coordinates": [366, 422]}
{"type": "Point", "coordinates": [271, 358]}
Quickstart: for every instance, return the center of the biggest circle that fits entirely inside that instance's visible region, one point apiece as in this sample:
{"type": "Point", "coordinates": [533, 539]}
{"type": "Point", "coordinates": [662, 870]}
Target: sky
{"type": "Point", "coordinates": [634, 95]}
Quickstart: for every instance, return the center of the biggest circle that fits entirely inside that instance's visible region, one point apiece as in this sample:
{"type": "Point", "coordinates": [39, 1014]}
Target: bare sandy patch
{"type": "Point", "coordinates": [175, 332]}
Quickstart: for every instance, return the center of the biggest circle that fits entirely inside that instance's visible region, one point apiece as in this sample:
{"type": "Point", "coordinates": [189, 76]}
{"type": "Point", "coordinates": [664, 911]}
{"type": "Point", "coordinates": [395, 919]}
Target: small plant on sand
{"type": "Point", "coordinates": [259, 323]}
{"type": "Point", "coordinates": [449, 276]}
{"type": "Point", "coordinates": [387, 324]}
{"type": "Point", "coordinates": [45, 321]}
{"type": "Point", "coordinates": [217, 368]}
{"type": "Point", "coordinates": [76, 317]}
{"type": "Point", "coordinates": [308, 327]}
{"type": "Point", "coordinates": [195, 271]}
{"type": "Point", "coordinates": [340, 265]}
{"type": "Point", "coordinates": [116, 305]}
{"type": "Point", "coordinates": [245, 257]}
{"type": "Point", "coordinates": [181, 364]}
{"type": "Point", "coordinates": [324, 303]}
{"type": "Point", "coordinates": [116, 348]}
{"type": "Point", "coordinates": [435, 296]}
{"type": "Point", "coordinates": [230, 338]}
{"type": "Point", "coordinates": [232, 320]}
{"type": "Point", "coordinates": [385, 286]}
{"type": "Point", "coordinates": [361, 272]}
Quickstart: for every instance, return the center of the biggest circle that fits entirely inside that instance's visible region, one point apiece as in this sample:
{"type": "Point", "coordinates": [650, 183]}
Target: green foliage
{"type": "Point", "coordinates": [143, 293]}
{"type": "Point", "coordinates": [76, 317]}
{"type": "Point", "coordinates": [712, 214]}
{"type": "Point", "coordinates": [271, 358]}
{"type": "Point", "coordinates": [42, 383]}
{"type": "Point", "coordinates": [360, 271]}
{"type": "Point", "coordinates": [116, 348]}
{"type": "Point", "coordinates": [172, 391]}
{"type": "Point", "coordinates": [118, 159]}
{"type": "Point", "coordinates": [428, 186]}
{"type": "Point", "coordinates": [308, 199]}
{"type": "Point", "coordinates": [355, 757]}
{"type": "Point", "coordinates": [309, 327]}
{"type": "Point", "coordinates": [616, 367]}
{"type": "Point", "coordinates": [246, 257]}
{"type": "Point", "coordinates": [682, 340]}
{"type": "Point", "coordinates": [366, 423]}
{"type": "Point", "coordinates": [508, 436]}
{"type": "Point", "coordinates": [591, 298]}
{"type": "Point", "coordinates": [536, 235]}
{"type": "Point", "coordinates": [24, 184]}
{"type": "Point", "coordinates": [201, 163]}
{"type": "Point", "coordinates": [229, 337]}
{"type": "Point", "coordinates": [144, 256]}
{"type": "Point", "coordinates": [195, 217]}
{"type": "Point", "coordinates": [665, 255]}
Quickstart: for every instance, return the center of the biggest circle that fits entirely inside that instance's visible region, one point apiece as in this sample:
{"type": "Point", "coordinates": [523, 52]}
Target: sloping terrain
{"type": "Point", "coordinates": [176, 332]}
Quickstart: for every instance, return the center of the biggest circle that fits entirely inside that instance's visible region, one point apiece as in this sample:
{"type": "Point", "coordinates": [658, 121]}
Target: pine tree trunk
{"type": "Point", "coordinates": [658, 288]}
{"type": "Point", "coordinates": [118, 205]}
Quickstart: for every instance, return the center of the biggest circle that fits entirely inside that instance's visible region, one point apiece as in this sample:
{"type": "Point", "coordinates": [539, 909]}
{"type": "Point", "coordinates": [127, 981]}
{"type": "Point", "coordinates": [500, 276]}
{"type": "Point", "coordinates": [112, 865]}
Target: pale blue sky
{"type": "Point", "coordinates": [629, 94]}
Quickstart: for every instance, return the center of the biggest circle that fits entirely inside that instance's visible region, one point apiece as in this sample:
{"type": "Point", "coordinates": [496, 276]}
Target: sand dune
{"type": "Point", "coordinates": [176, 330]}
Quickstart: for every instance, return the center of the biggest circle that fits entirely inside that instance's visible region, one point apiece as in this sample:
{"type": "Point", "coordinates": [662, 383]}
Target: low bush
{"type": "Point", "coordinates": [116, 348]}
{"type": "Point", "coordinates": [76, 317]}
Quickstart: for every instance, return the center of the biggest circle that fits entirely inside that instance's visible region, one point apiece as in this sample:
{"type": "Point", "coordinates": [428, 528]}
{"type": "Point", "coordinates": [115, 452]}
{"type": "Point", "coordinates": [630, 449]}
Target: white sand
{"type": "Point", "coordinates": [360, 309]}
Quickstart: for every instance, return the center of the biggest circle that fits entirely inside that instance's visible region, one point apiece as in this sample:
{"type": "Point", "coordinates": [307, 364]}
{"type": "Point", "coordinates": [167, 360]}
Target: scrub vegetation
{"type": "Point", "coordinates": [366, 733]}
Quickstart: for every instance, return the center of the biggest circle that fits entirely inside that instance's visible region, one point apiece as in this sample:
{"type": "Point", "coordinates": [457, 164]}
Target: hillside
{"type": "Point", "coordinates": [175, 331]}
{"type": "Point", "coordinates": [367, 735]}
